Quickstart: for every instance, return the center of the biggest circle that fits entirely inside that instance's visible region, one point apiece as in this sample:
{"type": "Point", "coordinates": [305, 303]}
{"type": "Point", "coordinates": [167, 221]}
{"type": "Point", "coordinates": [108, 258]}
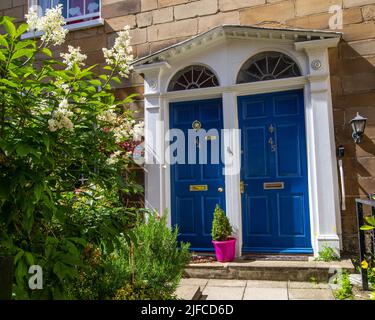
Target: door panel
{"type": "Point", "coordinates": [193, 211]}
{"type": "Point", "coordinates": [275, 206]}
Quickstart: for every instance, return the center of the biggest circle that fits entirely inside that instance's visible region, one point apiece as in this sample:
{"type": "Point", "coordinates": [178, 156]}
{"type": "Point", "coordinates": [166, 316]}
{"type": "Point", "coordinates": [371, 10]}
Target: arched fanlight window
{"type": "Point", "coordinates": [193, 77]}
{"type": "Point", "coordinates": [268, 66]}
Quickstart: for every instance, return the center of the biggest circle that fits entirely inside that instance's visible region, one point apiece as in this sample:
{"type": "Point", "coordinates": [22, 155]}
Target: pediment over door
{"type": "Point", "coordinates": [224, 50]}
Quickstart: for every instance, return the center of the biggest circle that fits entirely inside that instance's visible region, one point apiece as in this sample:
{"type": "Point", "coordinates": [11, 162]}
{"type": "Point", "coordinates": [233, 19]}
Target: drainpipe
{"type": "Point", "coordinates": [340, 154]}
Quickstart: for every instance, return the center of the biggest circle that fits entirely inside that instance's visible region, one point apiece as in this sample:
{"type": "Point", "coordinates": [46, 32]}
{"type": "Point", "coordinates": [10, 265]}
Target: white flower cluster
{"type": "Point", "coordinates": [108, 116]}
{"type": "Point", "coordinates": [138, 131]}
{"type": "Point", "coordinates": [51, 24]}
{"type": "Point", "coordinates": [74, 56]}
{"type": "Point", "coordinates": [124, 131]}
{"type": "Point", "coordinates": [129, 130]}
{"type": "Point", "coordinates": [61, 118]}
{"type": "Point", "coordinates": [114, 158]}
{"type": "Point", "coordinates": [120, 55]}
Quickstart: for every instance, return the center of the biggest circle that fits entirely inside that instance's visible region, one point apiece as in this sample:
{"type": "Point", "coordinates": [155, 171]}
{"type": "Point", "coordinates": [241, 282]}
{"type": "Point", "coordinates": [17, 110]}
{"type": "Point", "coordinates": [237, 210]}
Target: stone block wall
{"type": "Point", "coordinates": [156, 24]}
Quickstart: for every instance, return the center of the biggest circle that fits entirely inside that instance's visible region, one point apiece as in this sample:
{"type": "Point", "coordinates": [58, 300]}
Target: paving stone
{"type": "Point", "coordinates": [307, 285]}
{"type": "Point", "coordinates": [266, 284]}
{"type": "Point", "coordinates": [223, 293]}
{"type": "Point", "coordinates": [310, 294]}
{"type": "Point", "coordinates": [266, 294]}
{"type": "Point", "coordinates": [186, 292]}
{"type": "Point", "coordinates": [194, 282]}
{"type": "Point", "coordinates": [226, 283]}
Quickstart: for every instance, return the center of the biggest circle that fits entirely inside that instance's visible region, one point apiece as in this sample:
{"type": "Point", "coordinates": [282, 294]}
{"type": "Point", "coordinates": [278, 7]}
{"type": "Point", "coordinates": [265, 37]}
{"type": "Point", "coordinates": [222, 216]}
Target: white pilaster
{"type": "Point", "coordinates": [232, 157]}
{"type": "Point", "coordinates": [326, 222]}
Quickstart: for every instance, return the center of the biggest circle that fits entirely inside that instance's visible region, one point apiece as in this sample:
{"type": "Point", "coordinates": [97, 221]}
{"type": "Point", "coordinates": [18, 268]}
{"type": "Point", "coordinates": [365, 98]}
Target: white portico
{"type": "Point", "coordinates": [224, 50]}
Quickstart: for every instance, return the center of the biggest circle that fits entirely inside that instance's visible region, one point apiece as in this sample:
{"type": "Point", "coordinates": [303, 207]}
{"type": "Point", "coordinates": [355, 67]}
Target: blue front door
{"type": "Point", "coordinates": [196, 187]}
{"type": "Point", "coordinates": [275, 204]}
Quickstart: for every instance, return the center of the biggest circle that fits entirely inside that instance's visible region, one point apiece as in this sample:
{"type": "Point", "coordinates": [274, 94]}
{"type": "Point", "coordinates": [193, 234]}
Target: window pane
{"type": "Point", "coordinates": [76, 8]}
{"type": "Point", "coordinates": [92, 6]}
{"type": "Point", "coordinates": [47, 4]}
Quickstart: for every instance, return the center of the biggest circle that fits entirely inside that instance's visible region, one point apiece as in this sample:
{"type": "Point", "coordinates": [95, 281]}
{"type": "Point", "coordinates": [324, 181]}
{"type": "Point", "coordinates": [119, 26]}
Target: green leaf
{"type": "Point", "coordinates": [9, 83]}
{"type": "Point", "coordinates": [38, 190]}
{"type": "Point", "coordinates": [367, 228]}
{"type": "Point", "coordinates": [18, 256]}
{"type": "Point", "coordinates": [3, 41]}
{"type": "Point", "coordinates": [22, 29]}
{"type": "Point", "coordinates": [29, 258]}
{"type": "Point", "coordinates": [23, 44]}
{"type": "Point", "coordinates": [10, 28]}
{"type": "Point", "coordinates": [23, 52]}
{"type": "Point", "coordinates": [370, 221]}
{"type": "Point", "coordinates": [21, 271]}
{"type": "Point", "coordinates": [116, 79]}
{"type": "Point", "coordinates": [2, 57]}
{"type": "Point", "coordinates": [96, 82]}
{"type": "Point", "coordinates": [47, 52]}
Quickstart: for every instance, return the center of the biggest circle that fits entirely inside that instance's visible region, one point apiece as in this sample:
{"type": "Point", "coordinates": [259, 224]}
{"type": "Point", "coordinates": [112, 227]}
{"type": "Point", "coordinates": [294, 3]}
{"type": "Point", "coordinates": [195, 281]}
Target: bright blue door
{"type": "Point", "coordinates": [196, 188]}
{"type": "Point", "coordinates": [275, 204]}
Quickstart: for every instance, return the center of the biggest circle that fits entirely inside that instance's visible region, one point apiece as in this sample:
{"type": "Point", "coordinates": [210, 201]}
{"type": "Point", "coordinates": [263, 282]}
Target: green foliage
{"type": "Point", "coordinates": [327, 254]}
{"type": "Point", "coordinates": [345, 291]}
{"type": "Point", "coordinates": [149, 266]}
{"type": "Point", "coordinates": [221, 228]}
{"type": "Point", "coordinates": [42, 221]}
{"type": "Point", "coordinates": [156, 261]}
{"type": "Point", "coordinates": [370, 224]}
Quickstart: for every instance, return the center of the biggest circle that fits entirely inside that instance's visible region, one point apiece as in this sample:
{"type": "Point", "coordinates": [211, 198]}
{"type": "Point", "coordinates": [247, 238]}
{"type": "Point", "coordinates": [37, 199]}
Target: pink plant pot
{"type": "Point", "coordinates": [225, 250]}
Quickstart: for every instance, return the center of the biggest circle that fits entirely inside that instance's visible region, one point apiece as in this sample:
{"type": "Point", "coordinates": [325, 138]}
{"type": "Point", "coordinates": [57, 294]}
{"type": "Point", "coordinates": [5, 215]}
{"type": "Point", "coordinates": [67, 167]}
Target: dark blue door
{"type": "Point", "coordinates": [275, 205]}
{"type": "Point", "coordinates": [196, 187]}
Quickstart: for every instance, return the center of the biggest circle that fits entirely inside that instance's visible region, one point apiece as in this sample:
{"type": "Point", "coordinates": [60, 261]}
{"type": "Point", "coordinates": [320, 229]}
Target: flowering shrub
{"type": "Point", "coordinates": [59, 121]}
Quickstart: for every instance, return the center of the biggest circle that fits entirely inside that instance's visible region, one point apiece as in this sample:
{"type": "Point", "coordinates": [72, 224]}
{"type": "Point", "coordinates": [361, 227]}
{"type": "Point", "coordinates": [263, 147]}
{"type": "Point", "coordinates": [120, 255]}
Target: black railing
{"type": "Point", "coordinates": [362, 237]}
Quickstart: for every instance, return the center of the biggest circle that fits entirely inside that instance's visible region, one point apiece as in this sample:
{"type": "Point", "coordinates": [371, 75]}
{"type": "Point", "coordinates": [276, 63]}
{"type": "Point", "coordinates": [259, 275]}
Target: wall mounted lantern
{"type": "Point", "coordinates": [358, 124]}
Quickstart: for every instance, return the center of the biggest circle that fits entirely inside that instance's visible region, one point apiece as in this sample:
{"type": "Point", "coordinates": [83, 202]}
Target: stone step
{"type": "Point", "coordinates": [268, 270]}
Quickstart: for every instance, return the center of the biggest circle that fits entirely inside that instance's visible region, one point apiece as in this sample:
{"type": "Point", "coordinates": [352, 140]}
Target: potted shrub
{"type": "Point", "coordinates": [224, 244]}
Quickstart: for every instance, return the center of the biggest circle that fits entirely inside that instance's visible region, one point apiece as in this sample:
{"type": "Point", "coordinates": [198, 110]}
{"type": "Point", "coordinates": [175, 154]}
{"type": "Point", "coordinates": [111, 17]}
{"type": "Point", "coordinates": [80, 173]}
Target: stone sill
{"type": "Point", "coordinates": [70, 27]}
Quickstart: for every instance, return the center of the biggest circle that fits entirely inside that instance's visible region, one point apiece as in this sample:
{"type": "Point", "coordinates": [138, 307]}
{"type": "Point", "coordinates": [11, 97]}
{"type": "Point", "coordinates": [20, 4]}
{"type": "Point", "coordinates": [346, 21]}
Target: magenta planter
{"type": "Point", "coordinates": [225, 250]}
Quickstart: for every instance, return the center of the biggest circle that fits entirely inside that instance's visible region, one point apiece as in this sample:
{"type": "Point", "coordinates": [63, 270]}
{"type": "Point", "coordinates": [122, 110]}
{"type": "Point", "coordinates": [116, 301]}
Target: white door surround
{"type": "Point", "coordinates": [224, 50]}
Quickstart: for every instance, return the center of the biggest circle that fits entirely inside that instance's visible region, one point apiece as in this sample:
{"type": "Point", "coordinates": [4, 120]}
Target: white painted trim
{"type": "Point", "coordinates": [71, 27]}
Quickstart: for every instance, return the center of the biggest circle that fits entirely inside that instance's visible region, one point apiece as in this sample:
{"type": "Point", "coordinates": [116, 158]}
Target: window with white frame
{"type": "Point", "coordinates": [74, 11]}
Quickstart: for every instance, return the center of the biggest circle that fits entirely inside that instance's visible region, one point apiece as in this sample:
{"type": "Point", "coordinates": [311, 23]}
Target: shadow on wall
{"type": "Point", "coordinates": [353, 90]}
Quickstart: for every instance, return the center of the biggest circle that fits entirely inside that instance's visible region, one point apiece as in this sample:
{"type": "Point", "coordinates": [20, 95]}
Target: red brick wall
{"type": "Point", "coordinates": [159, 23]}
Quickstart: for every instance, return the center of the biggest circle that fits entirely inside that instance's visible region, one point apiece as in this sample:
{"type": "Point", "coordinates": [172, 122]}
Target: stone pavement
{"type": "Point", "coordinates": [218, 289]}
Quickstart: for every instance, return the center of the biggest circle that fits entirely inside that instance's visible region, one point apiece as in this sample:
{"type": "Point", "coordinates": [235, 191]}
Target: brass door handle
{"type": "Point", "coordinates": [220, 189]}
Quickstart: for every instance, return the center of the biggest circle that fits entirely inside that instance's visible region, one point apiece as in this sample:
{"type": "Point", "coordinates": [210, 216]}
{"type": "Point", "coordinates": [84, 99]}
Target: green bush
{"type": "Point", "coordinates": [156, 263]}
{"type": "Point", "coordinates": [59, 121]}
{"type": "Point", "coordinates": [221, 228]}
{"type": "Point", "coordinates": [149, 266]}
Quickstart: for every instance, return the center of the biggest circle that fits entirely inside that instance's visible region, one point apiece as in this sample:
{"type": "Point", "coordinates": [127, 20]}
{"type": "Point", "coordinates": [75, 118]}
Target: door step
{"type": "Point", "coordinates": [268, 270]}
